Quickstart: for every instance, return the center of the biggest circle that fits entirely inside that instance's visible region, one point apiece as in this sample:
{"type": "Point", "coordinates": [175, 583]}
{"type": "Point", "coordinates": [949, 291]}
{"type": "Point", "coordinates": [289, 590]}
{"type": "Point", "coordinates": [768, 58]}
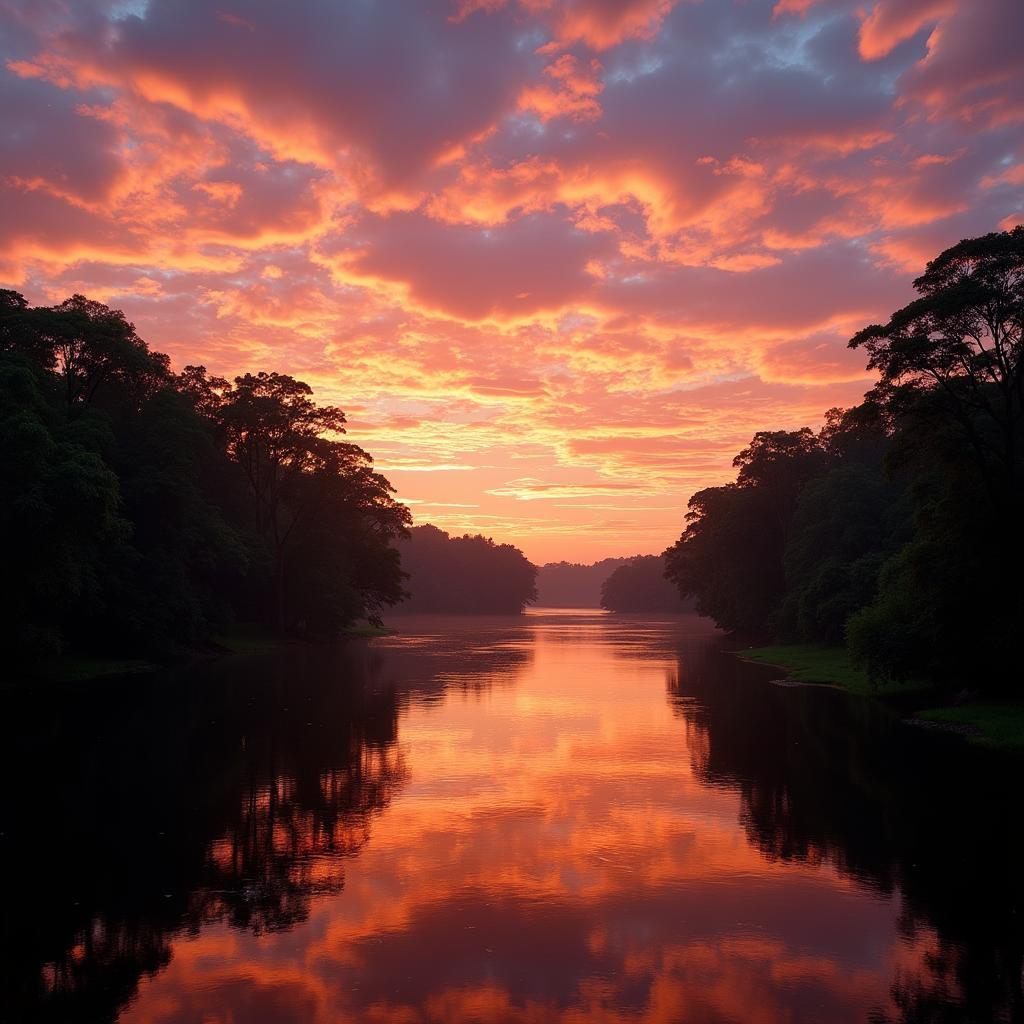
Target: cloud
{"type": "Point", "coordinates": [891, 22]}
{"type": "Point", "coordinates": [607, 239]}
{"type": "Point", "coordinates": [530, 489]}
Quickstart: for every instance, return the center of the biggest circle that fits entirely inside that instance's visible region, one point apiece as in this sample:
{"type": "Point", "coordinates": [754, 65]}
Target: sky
{"type": "Point", "coordinates": [556, 259]}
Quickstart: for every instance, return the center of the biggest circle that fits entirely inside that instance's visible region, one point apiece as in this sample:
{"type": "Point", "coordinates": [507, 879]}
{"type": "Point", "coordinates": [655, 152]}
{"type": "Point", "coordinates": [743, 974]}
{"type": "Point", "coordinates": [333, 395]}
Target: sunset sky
{"type": "Point", "coordinates": [557, 259]}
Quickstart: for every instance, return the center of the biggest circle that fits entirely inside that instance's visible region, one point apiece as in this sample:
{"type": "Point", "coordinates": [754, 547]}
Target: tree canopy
{"type": "Point", "coordinates": [572, 585]}
{"type": "Point", "coordinates": [144, 510]}
{"type": "Point", "coordinates": [640, 585]}
{"type": "Point", "coordinates": [894, 528]}
{"type": "Point", "coordinates": [465, 574]}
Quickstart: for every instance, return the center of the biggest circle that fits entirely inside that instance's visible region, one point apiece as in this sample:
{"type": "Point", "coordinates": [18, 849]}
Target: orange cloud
{"type": "Point", "coordinates": [891, 22]}
{"type": "Point", "coordinates": [582, 242]}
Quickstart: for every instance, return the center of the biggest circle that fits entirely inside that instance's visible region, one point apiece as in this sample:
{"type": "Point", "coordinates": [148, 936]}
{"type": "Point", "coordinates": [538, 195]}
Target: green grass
{"type": "Point", "coordinates": [994, 724]}
{"type": "Point", "coordinates": [829, 666]}
{"type": "Point", "coordinates": [999, 724]}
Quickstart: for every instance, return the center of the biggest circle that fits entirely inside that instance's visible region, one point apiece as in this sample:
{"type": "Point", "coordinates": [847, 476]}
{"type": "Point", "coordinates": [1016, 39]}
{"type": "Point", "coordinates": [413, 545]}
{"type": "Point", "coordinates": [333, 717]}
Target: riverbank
{"type": "Point", "coordinates": [990, 723]}
{"type": "Point", "coordinates": [83, 668]}
{"type": "Point", "coordinates": [240, 640]}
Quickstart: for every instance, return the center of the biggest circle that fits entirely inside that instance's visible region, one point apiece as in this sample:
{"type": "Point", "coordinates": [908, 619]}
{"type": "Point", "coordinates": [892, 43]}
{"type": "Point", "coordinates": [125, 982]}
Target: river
{"type": "Point", "coordinates": [563, 817]}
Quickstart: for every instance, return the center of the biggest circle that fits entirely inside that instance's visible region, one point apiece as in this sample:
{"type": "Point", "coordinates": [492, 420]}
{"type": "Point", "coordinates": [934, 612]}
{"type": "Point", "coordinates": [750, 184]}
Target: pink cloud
{"type": "Point", "coordinates": [891, 22]}
{"type": "Point", "coordinates": [584, 242]}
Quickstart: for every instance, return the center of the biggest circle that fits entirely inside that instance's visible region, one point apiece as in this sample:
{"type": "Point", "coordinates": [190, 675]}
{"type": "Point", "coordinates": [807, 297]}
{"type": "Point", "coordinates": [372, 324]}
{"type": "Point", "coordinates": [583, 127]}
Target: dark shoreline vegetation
{"type": "Point", "coordinates": [154, 515]}
{"type": "Point", "coordinates": [148, 515]}
{"type": "Point", "coordinates": [998, 724]}
{"type": "Point", "coordinates": [892, 536]}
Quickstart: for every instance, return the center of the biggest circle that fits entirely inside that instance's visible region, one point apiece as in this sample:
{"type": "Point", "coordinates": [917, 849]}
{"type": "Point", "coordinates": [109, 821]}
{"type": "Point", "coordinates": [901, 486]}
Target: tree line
{"type": "Point", "coordinates": [639, 585]}
{"type": "Point", "coordinates": [468, 574]}
{"type": "Point", "coordinates": [573, 585]}
{"type": "Point", "coordinates": [894, 529]}
{"type": "Point", "coordinates": [144, 509]}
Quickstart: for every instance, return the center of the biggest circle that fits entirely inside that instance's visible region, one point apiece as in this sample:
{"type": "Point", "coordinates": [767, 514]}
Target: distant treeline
{"type": "Point", "coordinates": [640, 585]}
{"type": "Point", "coordinates": [897, 527]}
{"type": "Point", "coordinates": [572, 585]}
{"type": "Point", "coordinates": [144, 509]}
{"type": "Point", "coordinates": [469, 574]}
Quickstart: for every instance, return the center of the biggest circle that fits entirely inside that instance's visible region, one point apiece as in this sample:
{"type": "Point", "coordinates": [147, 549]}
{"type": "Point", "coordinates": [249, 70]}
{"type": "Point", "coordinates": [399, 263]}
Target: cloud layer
{"type": "Point", "coordinates": [572, 252]}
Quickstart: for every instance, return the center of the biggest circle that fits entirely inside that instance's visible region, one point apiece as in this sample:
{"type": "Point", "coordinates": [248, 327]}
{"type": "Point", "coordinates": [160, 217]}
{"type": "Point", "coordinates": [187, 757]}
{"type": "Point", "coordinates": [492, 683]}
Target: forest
{"type": "Point", "coordinates": [639, 585]}
{"type": "Point", "coordinates": [573, 585]}
{"type": "Point", "coordinates": [895, 528]}
{"type": "Point", "coordinates": [468, 574]}
{"type": "Point", "coordinates": [145, 510]}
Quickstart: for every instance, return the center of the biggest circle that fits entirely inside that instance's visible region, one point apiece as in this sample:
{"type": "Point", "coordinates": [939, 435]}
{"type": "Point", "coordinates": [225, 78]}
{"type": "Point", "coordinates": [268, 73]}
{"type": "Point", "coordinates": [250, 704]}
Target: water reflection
{"type": "Point", "coordinates": [829, 780]}
{"type": "Point", "coordinates": [500, 820]}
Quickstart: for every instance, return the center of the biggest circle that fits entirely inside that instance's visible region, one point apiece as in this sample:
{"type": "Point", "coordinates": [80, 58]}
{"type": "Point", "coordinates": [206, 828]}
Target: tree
{"type": "Point", "coordinates": [846, 523]}
{"type": "Point", "coordinates": [342, 564]}
{"type": "Point", "coordinates": [276, 433]}
{"type": "Point", "coordinates": [730, 556]}
{"type": "Point", "coordinates": [571, 585]}
{"type": "Point", "coordinates": [847, 520]}
{"type": "Point", "coordinates": [962, 342]}
{"type": "Point", "coordinates": [145, 510]}
{"type": "Point", "coordinates": [779, 462]}
{"type": "Point", "coordinates": [91, 345]}
{"type": "Point", "coordinates": [722, 559]}
{"type": "Point", "coordinates": [640, 585]}
{"type": "Point", "coordinates": [468, 574]}
{"type": "Point", "coordinates": [951, 382]}
{"type": "Point", "coordinates": [60, 514]}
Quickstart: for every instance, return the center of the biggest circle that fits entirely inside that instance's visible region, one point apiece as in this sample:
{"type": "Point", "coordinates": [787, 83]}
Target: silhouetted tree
{"type": "Point", "coordinates": [846, 522]}
{"type": "Point", "coordinates": [895, 526]}
{"type": "Point", "coordinates": [778, 463]}
{"type": "Point", "coordinates": [143, 509]}
{"type": "Point", "coordinates": [951, 373]}
{"type": "Point", "coordinates": [961, 342]}
{"type": "Point", "coordinates": [61, 510]}
{"type": "Point", "coordinates": [572, 585]}
{"type": "Point", "coordinates": [90, 345]}
{"type": "Point", "coordinates": [730, 556]}
{"type": "Point", "coordinates": [277, 434]}
{"type": "Point", "coordinates": [640, 585]}
{"type": "Point", "coordinates": [465, 574]}
{"type": "Point", "coordinates": [722, 559]}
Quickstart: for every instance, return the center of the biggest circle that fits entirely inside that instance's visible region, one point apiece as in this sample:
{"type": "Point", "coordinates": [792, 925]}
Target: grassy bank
{"type": "Point", "coordinates": [829, 666]}
{"type": "Point", "coordinates": [240, 639]}
{"type": "Point", "coordinates": [997, 724]}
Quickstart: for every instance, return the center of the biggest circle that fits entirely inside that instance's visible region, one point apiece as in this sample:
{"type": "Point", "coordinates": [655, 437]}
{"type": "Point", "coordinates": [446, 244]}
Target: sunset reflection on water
{"type": "Point", "coordinates": [566, 817]}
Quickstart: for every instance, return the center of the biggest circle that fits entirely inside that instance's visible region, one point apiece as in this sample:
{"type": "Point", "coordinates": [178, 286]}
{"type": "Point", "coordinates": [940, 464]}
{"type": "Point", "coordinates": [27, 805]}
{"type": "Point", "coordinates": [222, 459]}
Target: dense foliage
{"type": "Point", "coordinates": [465, 574]}
{"type": "Point", "coordinates": [143, 509]}
{"type": "Point", "coordinates": [896, 527]}
{"type": "Point", "coordinates": [572, 585]}
{"type": "Point", "coordinates": [639, 585]}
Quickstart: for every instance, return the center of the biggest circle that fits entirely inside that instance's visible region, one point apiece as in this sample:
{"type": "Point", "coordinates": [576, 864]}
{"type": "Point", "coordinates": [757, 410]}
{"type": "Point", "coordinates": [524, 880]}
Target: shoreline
{"type": "Point", "coordinates": [985, 722]}
{"type": "Point", "coordinates": [71, 669]}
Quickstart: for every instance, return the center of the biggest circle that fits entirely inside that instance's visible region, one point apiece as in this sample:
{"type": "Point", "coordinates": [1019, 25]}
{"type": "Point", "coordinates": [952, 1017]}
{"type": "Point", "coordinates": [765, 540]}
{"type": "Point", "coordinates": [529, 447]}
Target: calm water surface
{"type": "Point", "coordinates": [559, 818]}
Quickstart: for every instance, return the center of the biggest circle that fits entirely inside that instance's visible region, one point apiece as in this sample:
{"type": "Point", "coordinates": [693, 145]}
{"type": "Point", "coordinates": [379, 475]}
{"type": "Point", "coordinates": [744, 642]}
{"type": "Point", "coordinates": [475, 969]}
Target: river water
{"type": "Point", "coordinates": [563, 817]}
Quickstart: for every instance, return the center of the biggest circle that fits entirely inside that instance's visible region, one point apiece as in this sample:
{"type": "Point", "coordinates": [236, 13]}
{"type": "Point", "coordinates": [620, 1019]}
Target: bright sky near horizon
{"type": "Point", "coordinates": [557, 259]}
